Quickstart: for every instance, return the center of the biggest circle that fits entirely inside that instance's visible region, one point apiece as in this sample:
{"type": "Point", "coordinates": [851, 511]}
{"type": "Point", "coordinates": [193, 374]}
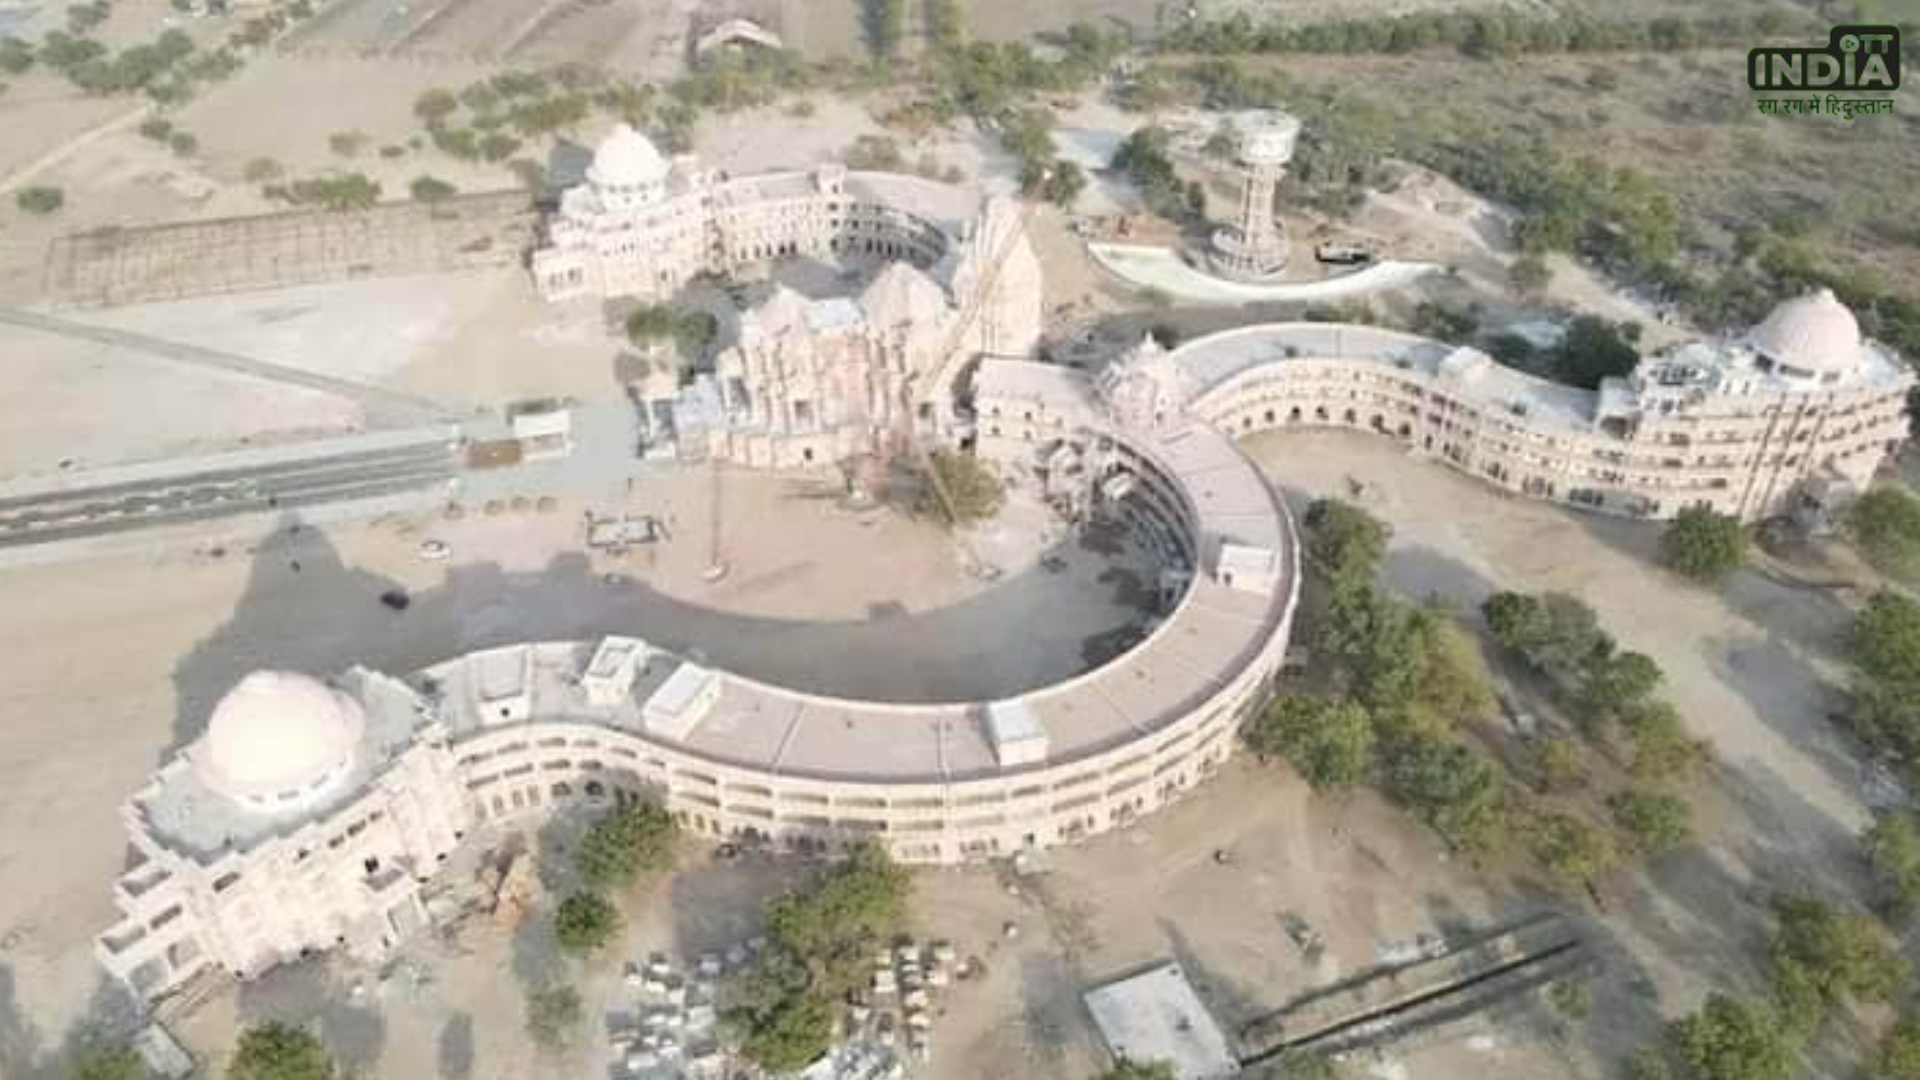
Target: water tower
{"type": "Point", "coordinates": [1254, 246]}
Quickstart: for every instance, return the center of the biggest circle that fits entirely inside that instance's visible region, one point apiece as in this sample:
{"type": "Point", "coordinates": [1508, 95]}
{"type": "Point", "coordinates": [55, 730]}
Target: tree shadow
{"type": "Point", "coordinates": [110, 1016]}
{"type": "Point", "coordinates": [342, 1007]}
{"type": "Point", "coordinates": [453, 1059]}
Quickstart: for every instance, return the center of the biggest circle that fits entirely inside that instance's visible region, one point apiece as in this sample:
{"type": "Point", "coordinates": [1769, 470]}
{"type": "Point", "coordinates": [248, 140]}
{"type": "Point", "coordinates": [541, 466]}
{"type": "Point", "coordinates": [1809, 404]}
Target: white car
{"type": "Point", "coordinates": [434, 550]}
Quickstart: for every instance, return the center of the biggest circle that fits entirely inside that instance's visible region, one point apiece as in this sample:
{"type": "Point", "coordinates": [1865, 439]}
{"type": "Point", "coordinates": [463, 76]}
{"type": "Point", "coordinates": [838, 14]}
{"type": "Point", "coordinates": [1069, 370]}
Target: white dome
{"type": "Point", "coordinates": [627, 159]}
{"type": "Point", "coordinates": [278, 738]}
{"type": "Point", "coordinates": [1814, 333]}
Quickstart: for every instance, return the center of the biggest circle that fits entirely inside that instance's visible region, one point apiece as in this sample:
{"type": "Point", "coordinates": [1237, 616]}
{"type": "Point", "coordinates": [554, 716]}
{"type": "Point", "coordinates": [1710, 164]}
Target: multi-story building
{"type": "Point", "coordinates": [309, 816]}
{"type": "Point", "coordinates": [1799, 410]}
{"type": "Point", "coordinates": [642, 225]}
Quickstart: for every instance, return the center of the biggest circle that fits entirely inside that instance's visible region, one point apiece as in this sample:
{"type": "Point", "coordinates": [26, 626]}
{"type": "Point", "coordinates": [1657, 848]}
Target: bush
{"type": "Point", "coordinates": [1651, 821]}
{"type": "Point", "coordinates": [276, 1051]}
{"type": "Point", "coordinates": [584, 922]}
{"type": "Point", "coordinates": [40, 200]}
{"type": "Point", "coordinates": [182, 143]}
{"type": "Point", "coordinates": [1726, 1039]}
{"type": "Point", "coordinates": [435, 105]}
{"type": "Point", "coordinates": [1835, 955]}
{"type": "Point", "coordinates": [1567, 846]}
{"type": "Point", "coordinates": [429, 189]}
{"type": "Point", "coordinates": [1892, 848]}
{"type": "Point", "coordinates": [347, 143]}
{"type": "Point", "coordinates": [1885, 525]}
{"type": "Point", "coordinates": [1329, 740]}
{"type": "Point", "coordinates": [1704, 545]}
{"type": "Point", "coordinates": [1662, 749]}
{"type": "Point", "coordinates": [156, 128]}
{"type": "Point", "coordinates": [1898, 1055]}
{"type": "Point", "coordinates": [554, 1015]}
{"type": "Point", "coordinates": [106, 1063]}
{"type": "Point", "coordinates": [16, 56]}
{"type": "Point", "coordinates": [624, 843]}
{"type": "Point", "coordinates": [262, 170]}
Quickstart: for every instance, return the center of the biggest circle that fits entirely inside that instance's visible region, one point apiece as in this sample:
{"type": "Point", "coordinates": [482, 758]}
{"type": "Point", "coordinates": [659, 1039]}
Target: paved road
{"type": "Point", "coordinates": [85, 513]}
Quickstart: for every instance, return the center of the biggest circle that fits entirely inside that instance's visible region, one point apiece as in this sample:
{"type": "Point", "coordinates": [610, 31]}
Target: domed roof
{"type": "Point", "coordinates": [276, 736]}
{"type": "Point", "coordinates": [1815, 333]}
{"type": "Point", "coordinates": [626, 158]}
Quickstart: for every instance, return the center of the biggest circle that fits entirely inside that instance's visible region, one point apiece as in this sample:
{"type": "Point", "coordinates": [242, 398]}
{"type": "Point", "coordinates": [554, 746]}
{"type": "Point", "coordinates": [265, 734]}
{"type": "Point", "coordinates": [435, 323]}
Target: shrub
{"type": "Point", "coordinates": [584, 922]}
{"type": "Point", "coordinates": [1726, 1039]}
{"type": "Point", "coordinates": [182, 143]}
{"type": "Point", "coordinates": [1892, 848]}
{"type": "Point", "coordinates": [435, 105]}
{"type": "Point", "coordinates": [554, 1015]}
{"type": "Point", "coordinates": [1885, 525]}
{"type": "Point", "coordinates": [39, 199]}
{"type": "Point", "coordinates": [430, 189]}
{"type": "Point", "coordinates": [156, 128]}
{"type": "Point", "coordinates": [1568, 846]}
{"type": "Point", "coordinates": [262, 170]}
{"type": "Point", "coordinates": [276, 1051]}
{"type": "Point", "coordinates": [1651, 821]}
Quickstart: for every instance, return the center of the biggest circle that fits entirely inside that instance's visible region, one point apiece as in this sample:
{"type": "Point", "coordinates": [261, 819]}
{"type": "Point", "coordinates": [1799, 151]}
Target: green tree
{"type": "Point", "coordinates": [1898, 1055]}
{"type": "Point", "coordinates": [1885, 525]}
{"type": "Point", "coordinates": [1329, 740]}
{"type": "Point", "coordinates": [962, 489]}
{"type": "Point", "coordinates": [40, 199]}
{"type": "Point", "coordinates": [626, 842]}
{"type": "Point", "coordinates": [1726, 1039]}
{"type": "Point", "coordinates": [1651, 821]}
{"type": "Point", "coordinates": [16, 56]}
{"type": "Point", "coordinates": [1662, 749]}
{"type": "Point", "coordinates": [276, 1051]}
{"type": "Point", "coordinates": [1454, 789]}
{"type": "Point", "coordinates": [117, 1062]}
{"type": "Point", "coordinates": [1563, 764]}
{"type": "Point", "coordinates": [1346, 542]}
{"type": "Point", "coordinates": [1704, 545]}
{"type": "Point", "coordinates": [1884, 642]}
{"type": "Point", "coordinates": [1614, 684]}
{"type": "Point", "coordinates": [1892, 848]}
{"type": "Point", "coordinates": [553, 1016]}
{"type": "Point", "coordinates": [1567, 846]}
{"type": "Point", "coordinates": [431, 189]}
{"type": "Point", "coordinates": [794, 1033]}
{"type": "Point", "coordinates": [584, 922]}
{"type": "Point", "coordinates": [651, 324]}
{"type": "Point", "coordinates": [1839, 955]}
{"type": "Point", "coordinates": [1593, 349]}
{"type": "Point", "coordinates": [347, 143]}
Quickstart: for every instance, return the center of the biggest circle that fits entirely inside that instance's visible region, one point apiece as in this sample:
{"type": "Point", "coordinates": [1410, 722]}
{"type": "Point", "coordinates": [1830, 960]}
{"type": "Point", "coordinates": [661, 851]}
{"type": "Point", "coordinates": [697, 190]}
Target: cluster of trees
{"type": "Point", "coordinates": [961, 490]}
{"type": "Point", "coordinates": [821, 941]}
{"type": "Point", "coordinates": [1028, 135]}
{"type": "Point", "coordinates": [342, 192]}
{"type": "Point", "coordinates": [691, 331]}
{"type": "Point", "coordinates": [1403, 681]}
{"type": "Point", "coordinates": [1820, 958]}
{"type": "Point", "coordinates": [1884, 645]}
{"type": "Point", "coordinates": [1503, 33]}
{"type": "Point", "coordinates": [1144, 161]}
{"type": "Point", "coordinates": [620, 846]}
{"type": "Point", "coordinates": [1884, 524]}
{"type": "Point", "coordinates": [1703, 544]}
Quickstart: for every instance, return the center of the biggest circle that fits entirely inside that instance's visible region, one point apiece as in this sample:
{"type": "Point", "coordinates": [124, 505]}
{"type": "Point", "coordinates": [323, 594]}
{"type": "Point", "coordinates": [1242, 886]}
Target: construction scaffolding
{"type": "Point", "coordinates": [109, 267]}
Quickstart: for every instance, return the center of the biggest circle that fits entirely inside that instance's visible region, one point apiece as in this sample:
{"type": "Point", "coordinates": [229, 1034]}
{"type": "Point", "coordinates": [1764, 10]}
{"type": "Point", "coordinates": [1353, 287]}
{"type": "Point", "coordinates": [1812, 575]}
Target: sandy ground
{"type": "Point", "coordinates": [829, 601]}
{"type": "Point", "coordinates": [1747, 667]}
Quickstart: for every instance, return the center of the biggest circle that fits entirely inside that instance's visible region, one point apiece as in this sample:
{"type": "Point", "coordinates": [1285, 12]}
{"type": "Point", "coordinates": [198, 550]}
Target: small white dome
{"type": "Point", "coordinates": [627, 159]}
{"type": "Point", "coordinates": [278, 738]}
{"type": "Point", "coordinates": [1814, 333]}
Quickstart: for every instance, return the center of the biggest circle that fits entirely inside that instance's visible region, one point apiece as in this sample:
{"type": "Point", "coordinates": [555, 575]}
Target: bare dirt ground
{"type": "Point", "coordinates": [1748, 668]}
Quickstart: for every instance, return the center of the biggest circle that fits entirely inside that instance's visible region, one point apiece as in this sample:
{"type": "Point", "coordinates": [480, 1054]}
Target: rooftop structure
{"type": "Point", "coordinates": [1155, 1015]}
{"type": "Point", "coordinates": [1253, 246]}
